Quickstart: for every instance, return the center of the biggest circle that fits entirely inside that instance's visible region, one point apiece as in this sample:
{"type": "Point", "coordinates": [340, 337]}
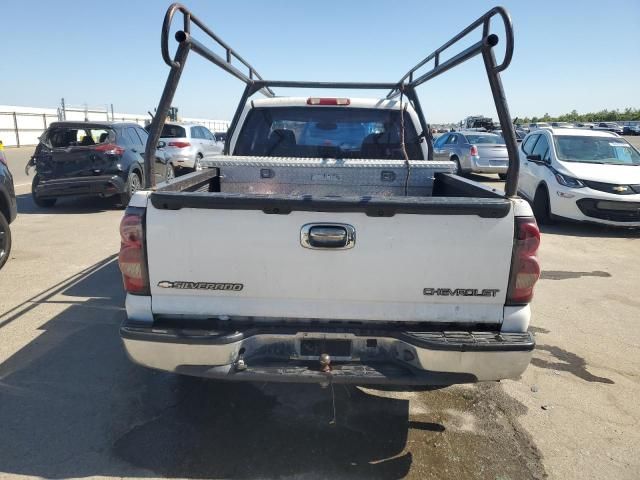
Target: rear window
{"type": "Point", "coordinates": [173, 131]}
{"type": "Point", "coordinates": [323, 132]}
{"type": "Point", "coordinates": [480, 139]}
{"type": "Point", "coordinates": [63, 137]}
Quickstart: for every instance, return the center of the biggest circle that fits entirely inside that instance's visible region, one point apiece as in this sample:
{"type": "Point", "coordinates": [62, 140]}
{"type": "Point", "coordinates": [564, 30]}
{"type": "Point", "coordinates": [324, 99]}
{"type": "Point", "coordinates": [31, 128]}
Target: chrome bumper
{"type": "Point", "coordinates": [283, 354]}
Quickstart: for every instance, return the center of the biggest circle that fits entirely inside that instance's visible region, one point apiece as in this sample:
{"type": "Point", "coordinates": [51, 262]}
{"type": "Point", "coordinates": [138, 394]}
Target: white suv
{"type": "Point", "coordinates": [583, 175]}
{"type": "Point", "coordinates": [188, 144]}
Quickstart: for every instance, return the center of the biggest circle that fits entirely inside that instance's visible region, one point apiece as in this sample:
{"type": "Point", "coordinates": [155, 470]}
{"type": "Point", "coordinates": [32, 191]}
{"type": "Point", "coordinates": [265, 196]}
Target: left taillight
{"type": "Point", "coordinates": [109, 149]}
{"type": "Point", "coordinates": [525, 269]}
{"type": "Point", "coordinates": [132, 258]}
{"type": "Point", "coordinates": [473, 151]}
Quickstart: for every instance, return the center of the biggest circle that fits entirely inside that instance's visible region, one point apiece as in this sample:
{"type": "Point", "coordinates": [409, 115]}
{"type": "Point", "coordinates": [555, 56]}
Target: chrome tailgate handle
{"type": "Point", "coordinates": [335, 236]}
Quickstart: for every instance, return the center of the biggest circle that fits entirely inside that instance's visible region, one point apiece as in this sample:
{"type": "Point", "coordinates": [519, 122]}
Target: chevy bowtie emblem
{"type": "Point", "coordinates": [620, 188]}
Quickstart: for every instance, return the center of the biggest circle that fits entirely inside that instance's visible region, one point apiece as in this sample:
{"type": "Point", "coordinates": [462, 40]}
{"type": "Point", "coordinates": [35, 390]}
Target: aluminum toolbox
{"type": "Point", "coordinates": [317, 176]}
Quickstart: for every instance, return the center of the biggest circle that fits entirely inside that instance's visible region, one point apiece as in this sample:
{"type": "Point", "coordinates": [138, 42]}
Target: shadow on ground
{"type": "Point", "coordinates": [73, 405]}
{"type": "Point", "coordinates": [588, 230]}
{"type": "Point", "coordinates": [67, 205]}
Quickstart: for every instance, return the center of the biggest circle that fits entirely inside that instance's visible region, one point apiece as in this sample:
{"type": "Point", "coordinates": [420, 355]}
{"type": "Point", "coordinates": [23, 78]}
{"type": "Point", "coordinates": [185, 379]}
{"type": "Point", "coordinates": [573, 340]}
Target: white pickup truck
{"type": "Point", "coordinates": [328, 245]}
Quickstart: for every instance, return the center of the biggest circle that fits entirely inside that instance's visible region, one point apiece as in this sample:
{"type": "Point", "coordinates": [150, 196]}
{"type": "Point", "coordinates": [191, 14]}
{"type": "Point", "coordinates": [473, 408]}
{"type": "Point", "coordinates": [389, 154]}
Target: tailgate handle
{"type": "Point", "coordinates": [335, 236]}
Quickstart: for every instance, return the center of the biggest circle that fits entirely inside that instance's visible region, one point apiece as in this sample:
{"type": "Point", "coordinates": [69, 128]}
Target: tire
{"type": "Point", "coordinates": [171, 172]}
{"type": "Point", "coordinates": [502, 176]}
{"type": "Point", "coordinates": [5, 240]}
{"type": "Point", "coordinates": [134, 183]}
{"type": "Point", "coordinates": [41, 202]}
{"type": "Point", "coordinates": [458, 167]}
{"type": "Point", "coordinates": [542, 206]}
{"type": "Point", "coordinates": [196, 163]}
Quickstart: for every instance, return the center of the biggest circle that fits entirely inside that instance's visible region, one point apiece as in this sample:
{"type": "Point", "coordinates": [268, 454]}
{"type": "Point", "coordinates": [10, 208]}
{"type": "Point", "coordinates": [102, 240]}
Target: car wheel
{"type": "Point", "coordinates": [458, 166]}
{"type": "Point", "coordinates": [196, 163]}
{"type": "Point", "coordinates": [5, 240]}
{"type": "Point", "coordinates": [171, 173]}
{"type": "Point", "coordinates": [502, 176]}
{"type": "Point", "coordinates": [542, 206]}
{"type": "Point", "coordinates": [133, 185]}
{"type": "Point", "coordinates": [41, 202]}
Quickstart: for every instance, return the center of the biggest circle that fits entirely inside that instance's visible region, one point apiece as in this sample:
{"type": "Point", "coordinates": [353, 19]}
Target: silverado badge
{"type": "Point", "coordinates": [234, 287]}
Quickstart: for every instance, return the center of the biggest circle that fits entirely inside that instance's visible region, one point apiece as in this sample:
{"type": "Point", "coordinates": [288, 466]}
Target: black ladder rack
{"type": "Point", "coordinates": [237, 66]}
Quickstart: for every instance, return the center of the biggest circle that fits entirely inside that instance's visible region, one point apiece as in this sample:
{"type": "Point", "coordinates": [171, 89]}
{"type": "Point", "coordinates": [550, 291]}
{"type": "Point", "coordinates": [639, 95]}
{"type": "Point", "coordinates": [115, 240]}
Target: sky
{"type": "Point", "coordinates": [582, 55]}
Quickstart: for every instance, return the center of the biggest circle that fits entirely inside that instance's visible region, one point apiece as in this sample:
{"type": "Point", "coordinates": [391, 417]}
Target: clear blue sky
{"type": "Point", "coordinates": [582, 55]}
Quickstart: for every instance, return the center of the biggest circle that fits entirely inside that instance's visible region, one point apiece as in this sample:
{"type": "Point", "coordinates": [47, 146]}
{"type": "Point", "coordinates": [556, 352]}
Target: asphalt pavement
{"type": "Point", "coordinates": [73, 405]}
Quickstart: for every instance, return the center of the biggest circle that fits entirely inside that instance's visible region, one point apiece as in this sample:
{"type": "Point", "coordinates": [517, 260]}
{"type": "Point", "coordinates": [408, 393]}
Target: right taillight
{"type": "Point", "coordinates": [525, 269]}
{"type": "Point", "coordinates": [179, 144]}
{"type": "Point", "coordinates": [132, 258]}
{"type": "Point", "coordinates": [109, 149]}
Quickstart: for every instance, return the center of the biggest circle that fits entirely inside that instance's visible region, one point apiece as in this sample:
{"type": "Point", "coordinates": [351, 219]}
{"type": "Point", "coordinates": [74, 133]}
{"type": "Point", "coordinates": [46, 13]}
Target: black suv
{"type": "Point", "coordinates": [92, 158]}
{"type": "Point", "coordinates": [8, 210]}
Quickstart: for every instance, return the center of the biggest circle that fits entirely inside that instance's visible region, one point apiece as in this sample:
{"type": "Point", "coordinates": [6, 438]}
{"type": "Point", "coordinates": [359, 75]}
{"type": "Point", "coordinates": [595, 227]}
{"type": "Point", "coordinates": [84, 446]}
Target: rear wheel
{"type": "Point", "coordinates": [542, 206]}
{"type": "Point", "coordinates": [133, 185]}
{"type": "Point", "coordinates": [39, 201]}
{"type": "Point", "coordinates": [5, 240]}
{"type": "Point", "coordinates": [197, 163]}
{"type": "Point", "coordinates": [171, 173]}
{"type": "Point", "coordinates": [458, 166]}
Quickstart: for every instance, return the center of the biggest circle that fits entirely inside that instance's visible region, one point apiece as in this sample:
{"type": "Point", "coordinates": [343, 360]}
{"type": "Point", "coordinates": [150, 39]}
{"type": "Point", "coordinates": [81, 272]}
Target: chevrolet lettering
{"type": "Point", "coordinates": [460, 292]}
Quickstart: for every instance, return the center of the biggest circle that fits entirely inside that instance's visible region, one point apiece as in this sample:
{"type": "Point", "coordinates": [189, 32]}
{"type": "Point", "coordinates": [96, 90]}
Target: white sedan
{"type": "Point", "coordinates": [581, 175]}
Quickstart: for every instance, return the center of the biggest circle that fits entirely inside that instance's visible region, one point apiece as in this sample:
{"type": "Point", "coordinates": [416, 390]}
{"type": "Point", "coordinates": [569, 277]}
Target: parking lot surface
{"type": "Point", "coordinates": [73, 405]}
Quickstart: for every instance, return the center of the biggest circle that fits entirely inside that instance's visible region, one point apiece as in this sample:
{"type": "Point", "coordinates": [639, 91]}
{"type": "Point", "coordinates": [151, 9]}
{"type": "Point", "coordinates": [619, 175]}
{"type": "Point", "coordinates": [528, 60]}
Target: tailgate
{"type": "Point", "coordinates": [432, 259]}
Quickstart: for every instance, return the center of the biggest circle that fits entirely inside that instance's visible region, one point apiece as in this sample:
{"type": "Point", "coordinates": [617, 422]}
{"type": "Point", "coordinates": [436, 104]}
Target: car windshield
{"type": "Point", "coordinates": [480, 139]}
{"type": "Point", "coordinates": [321, 132]}
{"type": "Point", "coordinates": [173, 131]}
{"type": "Point", "coordinates": [586, 149]}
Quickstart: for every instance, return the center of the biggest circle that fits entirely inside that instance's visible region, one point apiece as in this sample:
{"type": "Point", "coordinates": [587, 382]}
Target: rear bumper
{"type": "Point", "coordinates": [94, 185]}
{"type": "Point", "coordinates": [182, 157]}
{"type": "Point", "coordinates": [282, 354]}
{"type": "Point", "coordinates": [489, 165]}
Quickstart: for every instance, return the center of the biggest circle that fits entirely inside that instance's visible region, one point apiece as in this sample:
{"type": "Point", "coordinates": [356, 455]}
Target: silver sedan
{"type": "Point", "coordinates": [473, 152]}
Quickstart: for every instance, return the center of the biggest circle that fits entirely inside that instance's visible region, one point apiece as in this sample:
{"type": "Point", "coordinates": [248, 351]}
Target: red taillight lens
{"type": "Point", "coordinates": [328, 101]}
{"type": "Point", "coordinates": [179, 144]}
{"type": "Point", "coordinates": [474, 151]}
{"type": "Point", "coordinates": [525, 269]}
{"type": "Point", "coordinates": [132, 258]}
{"type": "Point", "coordinates": [109, 149]}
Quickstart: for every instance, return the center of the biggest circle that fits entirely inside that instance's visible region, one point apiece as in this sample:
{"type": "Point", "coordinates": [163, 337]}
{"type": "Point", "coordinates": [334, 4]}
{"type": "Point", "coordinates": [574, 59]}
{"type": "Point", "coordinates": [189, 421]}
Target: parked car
{"type": "Point", "coordinates": [609, 126]}
{"type": "Point", "coordinates": [220, 137]}
{"type": "Point", "coordinates": [8, 208]}
{"type": "Point", "coordinates": [187, 144]}
{"type": "Point", "coordinates": [631, 130]}
{"type": "Point", "coordinates": [562, 125]}
{"type": "Point", "coordinates": [473, 152]}
{"type": "Point", "coordinates": [536, 126]}
{"type": "Point", "coordinates": [520, 134]}
{"type": "Point", "coordinates": [439, 269]}
{"type": "Point", "coordinates": [584, 125]}
{"type": "Point", "coordinates": [92, 159]}
{"type": "Point", "coordinates": [582, 175]}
